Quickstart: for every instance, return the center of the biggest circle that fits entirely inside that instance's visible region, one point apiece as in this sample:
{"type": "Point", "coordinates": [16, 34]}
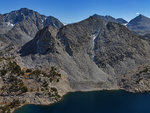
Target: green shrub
{"type": "Point", "coordinates": [17, 85]}
{"type": "Point", "coordinates": [144, 70]}
{"type": "Point", "coordinates": [24, 89]}
{"type": "Point", "coordinates": [14, 103]}
{"type": "Point", "coordinates": [28, 70]}
{"type": "Point", "coordinates": [5, 109]}
{"type": "Point", "coordinates": [54, 74]}
{"type": "Point", "coordinates": [36, 73]}
{"type": "Point", "coordinates": [53, 89]}
{"type": "Point", "coordinates": [42, 89]}
{"type": "Point", "coordinates": [3, 72]}
{"type": "Point", "coordinates": [45, 84]}
{"type": "Point", "coordinates": [15, 69]}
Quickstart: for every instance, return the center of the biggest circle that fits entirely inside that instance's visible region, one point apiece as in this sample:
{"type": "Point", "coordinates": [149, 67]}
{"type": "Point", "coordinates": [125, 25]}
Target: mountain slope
{"type": "Point", "coordinates": [140, 25]}
{"type": "Point", "coordinates": [92, 53]}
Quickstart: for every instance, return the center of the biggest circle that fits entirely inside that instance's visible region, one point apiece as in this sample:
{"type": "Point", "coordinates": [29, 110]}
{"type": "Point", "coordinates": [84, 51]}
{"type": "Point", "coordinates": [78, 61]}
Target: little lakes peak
{"type": "Point", "coordinates": [41, 59]}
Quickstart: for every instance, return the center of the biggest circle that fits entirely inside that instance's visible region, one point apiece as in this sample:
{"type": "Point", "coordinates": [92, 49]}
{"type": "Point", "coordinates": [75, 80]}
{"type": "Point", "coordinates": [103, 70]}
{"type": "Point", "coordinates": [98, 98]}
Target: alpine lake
{"type": "Point", "coordinates": [95, 102]}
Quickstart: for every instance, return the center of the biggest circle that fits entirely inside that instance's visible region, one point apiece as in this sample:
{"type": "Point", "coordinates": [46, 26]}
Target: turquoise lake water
{"type": "Point", "coordinates": [95, 102]}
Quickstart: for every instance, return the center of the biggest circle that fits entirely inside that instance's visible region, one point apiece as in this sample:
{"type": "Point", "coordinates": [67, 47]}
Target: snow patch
{"type": "Point", "coordinates": [10, 24]}
{"type": "Point", "coordinates": [42, 20]}
{"type": "Point", "coordinates": [125, 24]}
{"type": "Point", "coordinates": [64, 24]}
{"type": "Point", "coordinates": [94, 36]}
{"type": "Point", "coordinates": [45, 18]}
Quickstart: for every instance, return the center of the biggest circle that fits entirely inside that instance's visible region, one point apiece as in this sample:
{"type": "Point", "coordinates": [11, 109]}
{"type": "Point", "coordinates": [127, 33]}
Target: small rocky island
{"type": "Point", "coordinates": [41, 59]}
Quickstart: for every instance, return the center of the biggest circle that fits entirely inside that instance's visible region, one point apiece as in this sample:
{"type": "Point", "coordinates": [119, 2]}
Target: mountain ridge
{"type": "Point", "coordinates": [93, 54]}
{"type": "Point", "coordinates": [108, 18]}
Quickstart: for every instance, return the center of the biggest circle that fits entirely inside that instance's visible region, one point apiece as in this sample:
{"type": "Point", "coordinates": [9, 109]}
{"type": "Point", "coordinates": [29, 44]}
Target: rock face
{"type": "Point", "coordinates": [111, 19]}
{"type": "Point", "coordinates": [20, 26]}
{"type": "Point", "coordinates": [43, 42]}
{"type": "Point", "coordinates": [140, 25]}
{"type": "Point", "coordinates": [94, 54]}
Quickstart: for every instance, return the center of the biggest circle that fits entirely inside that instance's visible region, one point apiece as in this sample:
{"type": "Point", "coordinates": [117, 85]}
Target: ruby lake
{"type": "Point", "coordinates": [95, 102]}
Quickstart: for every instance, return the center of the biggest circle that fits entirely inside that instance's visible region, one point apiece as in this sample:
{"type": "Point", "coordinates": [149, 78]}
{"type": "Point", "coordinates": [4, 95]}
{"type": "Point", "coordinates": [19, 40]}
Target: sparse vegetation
{"type": "Point", "coordinates": [14, 103]}
{"type": "Point", "coordinates": [5, 109]}
{"type": "Point", "coordinates": [36, 73]}
{"type": "Point", "coordinates": [45, 84]}
{"type": "Point", "coordinates": [16, 85]}
{"type": "Point", "coordinates": [3, 72]}
{"type": "Point", "coordinates": [144, 70]}
{"type": "Point", "coordinates": [15, 69]}
{"type": "Point", "coordinates": [28, 70]}
{"type": "Point", "coordinates": [53, 89]}
{"type": "Point", "coordinates": [54, 72]}
{"type": "Point", "coordinates": [54, 75]}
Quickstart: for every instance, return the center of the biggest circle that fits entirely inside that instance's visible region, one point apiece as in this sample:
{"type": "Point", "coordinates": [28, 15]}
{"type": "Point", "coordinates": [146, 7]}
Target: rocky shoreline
{"type": "Point", "coordinates": [45, 104]}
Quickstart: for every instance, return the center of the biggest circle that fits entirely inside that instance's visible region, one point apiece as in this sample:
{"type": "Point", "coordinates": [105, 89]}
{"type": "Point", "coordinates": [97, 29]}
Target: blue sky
{"type": "Point", "coordinates": [69, 11]}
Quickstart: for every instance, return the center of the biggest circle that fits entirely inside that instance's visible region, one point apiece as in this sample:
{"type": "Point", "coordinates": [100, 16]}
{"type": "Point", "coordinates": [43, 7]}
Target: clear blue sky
{"type": "Point", "coordinates": [69, 11]}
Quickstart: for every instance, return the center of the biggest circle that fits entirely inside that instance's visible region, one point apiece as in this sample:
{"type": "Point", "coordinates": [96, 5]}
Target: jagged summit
{"type": "Point", "coordinates": [108, 18]}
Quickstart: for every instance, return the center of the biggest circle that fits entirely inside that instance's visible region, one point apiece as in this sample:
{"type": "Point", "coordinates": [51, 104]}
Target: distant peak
{"type": "Point", "coordinates": [96, 14]}
{"type": "Point", "coordinates": [141, 16]}
{"type": "Point", "coordinates": [25, 9]}
{"type": "Point", "coordinates": [109, 18]}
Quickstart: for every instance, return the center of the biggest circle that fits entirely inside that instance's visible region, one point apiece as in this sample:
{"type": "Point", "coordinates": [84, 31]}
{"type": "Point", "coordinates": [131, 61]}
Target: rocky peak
{"type": "Point", "coordinates": [139, 19]}
{"type": "Point", "coordinates": [20, 26]}
{"type": "Point", "coordinates": [140, 25]}
{"type": "Point", "coordinates": [80, 36]}
{"type": "Point", "coordinates": [17, 16]}
{"type": "Point", "coordinates": [25, 11]}
{"type": "Point", "coordinates": [105, 18]}
{"type": "Point", "coordinates": [25, 15]}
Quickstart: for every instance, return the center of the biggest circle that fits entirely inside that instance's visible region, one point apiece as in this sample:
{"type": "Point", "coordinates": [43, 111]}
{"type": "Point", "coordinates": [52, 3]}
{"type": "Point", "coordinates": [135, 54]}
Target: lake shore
{"type": "Point", "coordinates": [62, 96]}
{"type": "Point", "coordinates": [114, 100]}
